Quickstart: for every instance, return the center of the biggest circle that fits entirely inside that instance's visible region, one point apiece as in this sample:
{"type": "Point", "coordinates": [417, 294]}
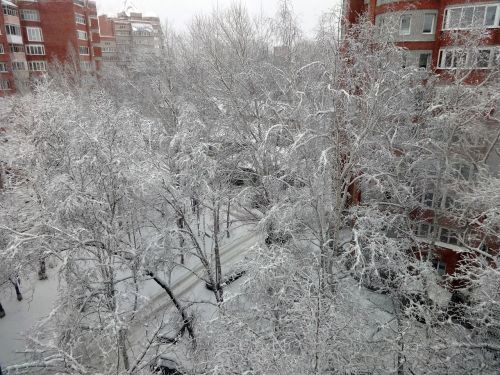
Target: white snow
{"type": "Point", "coordinates": [39, 298]}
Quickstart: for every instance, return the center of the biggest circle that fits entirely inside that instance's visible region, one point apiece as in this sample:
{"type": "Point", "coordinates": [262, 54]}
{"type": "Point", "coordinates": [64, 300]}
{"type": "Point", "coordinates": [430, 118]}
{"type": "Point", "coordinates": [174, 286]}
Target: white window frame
{"type": "Point", "coordinates": [424, 230]}
{"type": "Point", "coordinates": [18, 65]}
{"type": "Point", "coordinates": [448, 236]}
{"type": "Point", "coordinates": [15, 27]}
{"type": "Point", "coordinates": [80, 50]}
{"type": "Point", "coordinates": [34, 34]}
{"type": "Point", "coordinates": [34, 49]}
{"type": "Point", "coordinates": [37, 66]}
{"type": "Point", "coordinates": [440, 266]}
{"type": "Point", "coordinates": [4, 67]}
{"type": "Point", "coordinates": [401, 32]}
{"type": "Point", "coordinates": [471, 57]}
{"type": "Point", "coordinates": [82, 35]}
{"type": "Point", "coordinates": [2, 49]}
{"type": "Point", "coordinates": [496, 20]}
{"type": "Point", "coordinates": [20, 48]}
{"type": "Point", "coordinates": [9, 11]}
{"type": "Point", "coordinates": [432, 30]}
{"type": "Point", "coordinates": [35, 15]}
{"type": "Point", "coordinates": [5, 85]}
{"type": "Point", "coordinates": [428, 62]}
{"type": "Point", "coordinates": [78, 17]}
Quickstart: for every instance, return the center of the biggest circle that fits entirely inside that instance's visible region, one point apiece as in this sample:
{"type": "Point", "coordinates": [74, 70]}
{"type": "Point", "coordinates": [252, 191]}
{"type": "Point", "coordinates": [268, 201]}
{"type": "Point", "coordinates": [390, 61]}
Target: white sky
{"type": "Point", "coordinates": [179, 12]}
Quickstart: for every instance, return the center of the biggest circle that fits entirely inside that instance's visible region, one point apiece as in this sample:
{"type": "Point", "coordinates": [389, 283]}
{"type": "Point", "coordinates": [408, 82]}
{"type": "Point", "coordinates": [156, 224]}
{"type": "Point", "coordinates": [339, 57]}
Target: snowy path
{"type": "Point", "coordinates": [40, 297]}
{"type": "Point", "coordinates": [21, 316]}
{"type": "Point", "coordinates": [190, 283]}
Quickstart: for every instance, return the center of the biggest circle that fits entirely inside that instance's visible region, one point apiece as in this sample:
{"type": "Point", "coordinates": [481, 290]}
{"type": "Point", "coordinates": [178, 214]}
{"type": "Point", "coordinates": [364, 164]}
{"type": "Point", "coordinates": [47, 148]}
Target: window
{"type": "Point", "coordinates": [429, 23]}
{"type": "Point", "coordinates": [16, 48]}
{"type": "Point", "coordinates": [483, 58]}
{"type": "Point", "coordinates": [13, 30]}
{"type": "Point", "coordinates": [462, 170]}
{"type": "Point", "coordinates": [34, 34]}
{"type": "Point", "coordinates": [18, 65]}
{"type": "Point", "coordinates": [84, 50]}
{"type": "Point", "coordinates": [440, 266]}
{"type": "Point", "coordinates": [424, 60]}
{"type": "Point", "coordinates": [86, 66]}
{"type": "Point", "coordinates": [82, 35]}
{"type": "Point", "coordinates": [466, 18]}
{"type": "Point", "coordinates": [448, 236]}
{"type": "Point", "coordinates": [79, 2]}
{"type": "Point", "coordinates": [491, 12]}
{"type": "Point", "coordinates": [30, 15]}
{"type": "Point", "coordinates": [5, 85]}
{"type": "Point", "coordinates": [453, 58]}
{"type": "Point", "coordinates": [427, 198]}
{"type": "Point", "coordinates": [8, 11]}
{"type": "Point", "coordinates": [424, 230]}
{"type": "Point", "coordinates": [3, 67]}
{"type": "Point", "coordinates": [37, 66]}
{"type": "Point", "coordinates": [2, 50]}
{"type": "Point", "coordinates": [472, 16]}
{"type": "Point", "coordinates": [405, 25]}
{"type": "Point", "coordinates": [79, 18]}
{"type": "Point", "coordinates": [35, 49]}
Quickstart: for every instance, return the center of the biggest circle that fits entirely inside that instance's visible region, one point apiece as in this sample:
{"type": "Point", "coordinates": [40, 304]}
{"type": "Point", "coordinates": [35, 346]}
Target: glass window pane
{"type": "Point", "coordinates": [423, 61]}
{"type": "Point", "coordinates": [428, 23]}
{"type": "Point", "coordinates": [478, 20]}
{"type": "Point", "coordinates": [491, 12]}
{"type": "Point", "coordinates": [483, 58]}
{"type": "Point", "coordinates": [454, 18]}
{"type": "Point", "coordinates": [405, 25]}
{"type": "Point", "coordinates": [448, 59]}
{"type": "Point", "coordinates": [467, 15]}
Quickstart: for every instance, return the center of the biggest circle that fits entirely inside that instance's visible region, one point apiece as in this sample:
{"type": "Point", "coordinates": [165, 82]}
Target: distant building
{"type": "Point", "coordinates": [36, 32]}
{"type": "Point", "coordinates": [129, 37]}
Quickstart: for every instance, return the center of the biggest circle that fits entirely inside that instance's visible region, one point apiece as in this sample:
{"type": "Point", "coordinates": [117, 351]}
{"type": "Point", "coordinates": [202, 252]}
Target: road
{"type": "Point", "coordinates": [231, 253]}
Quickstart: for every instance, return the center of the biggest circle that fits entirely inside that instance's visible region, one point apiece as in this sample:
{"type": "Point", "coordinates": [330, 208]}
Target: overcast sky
{"type": "Point", "coordinates": [179, 12]}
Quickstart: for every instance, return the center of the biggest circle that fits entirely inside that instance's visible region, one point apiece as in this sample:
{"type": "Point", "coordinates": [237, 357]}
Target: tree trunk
{"type": "Point", "coordinates": [218, 268]}
{"type": "Point", "coordinates": [42, 271]}
{"type": "Point", "coordinates": [2, 311]}
{"type": "Point", "coordinates": [228, 218]}
{"type": "Point", "coordinates": [187, 321]}
{"type": "Point", "coordinates": [16, 283]}
{"type": "Point", "coordinates": [180, 225]}
{"type": "Point", "coordinates": [122, 340]}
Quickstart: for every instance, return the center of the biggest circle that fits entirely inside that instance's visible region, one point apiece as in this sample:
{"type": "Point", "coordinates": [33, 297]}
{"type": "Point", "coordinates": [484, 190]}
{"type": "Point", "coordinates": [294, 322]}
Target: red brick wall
{"type": "Point", "coordinates": [59, 30]}
{"type": "Point", "coordinates": [5, 58]}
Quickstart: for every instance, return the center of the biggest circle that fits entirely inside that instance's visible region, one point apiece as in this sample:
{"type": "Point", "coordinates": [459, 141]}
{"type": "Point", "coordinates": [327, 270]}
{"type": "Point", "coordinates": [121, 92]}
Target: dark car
{"type": "Point", "coordinates": [166, 366]}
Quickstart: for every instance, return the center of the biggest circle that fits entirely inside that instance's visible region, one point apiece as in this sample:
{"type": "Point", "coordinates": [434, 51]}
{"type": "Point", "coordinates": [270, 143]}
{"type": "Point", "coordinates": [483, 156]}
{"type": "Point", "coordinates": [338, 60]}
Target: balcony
{"type": "Point", "coordinates": [14, 39]}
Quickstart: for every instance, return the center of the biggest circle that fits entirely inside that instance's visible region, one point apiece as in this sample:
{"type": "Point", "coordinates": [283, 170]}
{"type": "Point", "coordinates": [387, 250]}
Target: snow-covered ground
{"type": "Point", "coordinates": [39, 298]}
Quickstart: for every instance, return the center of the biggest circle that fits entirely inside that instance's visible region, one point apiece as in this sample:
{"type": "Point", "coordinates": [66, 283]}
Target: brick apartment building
{"type": "Point", "coordinates": [36, 32]}
{"type": "Point", "coordinates": [129, 37]}
{"type": "Point", "coordinates": [424, 29]}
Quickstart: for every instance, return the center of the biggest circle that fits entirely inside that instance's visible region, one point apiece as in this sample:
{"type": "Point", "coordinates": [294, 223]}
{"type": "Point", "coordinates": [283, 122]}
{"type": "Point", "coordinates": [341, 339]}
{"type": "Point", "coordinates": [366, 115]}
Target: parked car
{"type": "Point", "coordinates": [166, 366]}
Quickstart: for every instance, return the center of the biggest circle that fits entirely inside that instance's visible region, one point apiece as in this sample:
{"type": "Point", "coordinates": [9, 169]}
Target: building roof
{"type": "Point", "coordinates": [9, 3]}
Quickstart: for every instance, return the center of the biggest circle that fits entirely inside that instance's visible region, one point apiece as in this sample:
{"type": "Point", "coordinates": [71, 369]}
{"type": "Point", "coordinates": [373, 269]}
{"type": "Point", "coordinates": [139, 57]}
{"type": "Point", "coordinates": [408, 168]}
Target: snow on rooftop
{"type": "Point", "coordinates": [142, 27]}
{"type": "Point", "coordinates": [9, 3]}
